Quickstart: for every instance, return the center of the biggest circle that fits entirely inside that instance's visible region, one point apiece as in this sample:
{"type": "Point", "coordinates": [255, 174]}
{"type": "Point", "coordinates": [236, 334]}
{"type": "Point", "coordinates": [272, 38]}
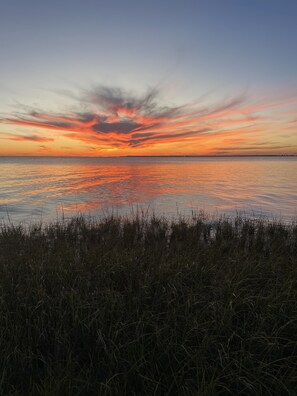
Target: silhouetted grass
{"type": "Point", "coordinates": [148, 307]}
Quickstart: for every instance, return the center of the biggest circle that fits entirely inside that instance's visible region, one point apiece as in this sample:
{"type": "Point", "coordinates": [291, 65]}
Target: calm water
{"type": "Point", "coordinates": [34, 189]}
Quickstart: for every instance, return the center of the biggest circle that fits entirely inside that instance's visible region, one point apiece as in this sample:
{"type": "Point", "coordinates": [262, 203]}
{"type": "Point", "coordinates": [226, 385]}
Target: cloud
{"type": "Point", "coordinates": [121, 119]}
{"type": "Point", "coordinates": [21, 138]}
{"type": "Point", "coordinates": [43, 148]}
{"type": "Point", "coordinates": [251, 148]}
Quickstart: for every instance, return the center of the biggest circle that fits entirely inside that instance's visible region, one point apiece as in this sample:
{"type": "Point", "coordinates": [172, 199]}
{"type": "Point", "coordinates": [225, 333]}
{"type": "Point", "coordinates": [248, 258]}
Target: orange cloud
{"type": "Point", "coordinates": [119, 120]}
{"type": "Point", "coordinates": [21, 138]}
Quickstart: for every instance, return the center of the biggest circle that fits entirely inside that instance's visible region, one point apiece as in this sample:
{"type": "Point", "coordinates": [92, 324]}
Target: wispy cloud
{"type": "Point", "coordinates": [21, 138]}
{"type": "Point", "coordinates": [121, 119]}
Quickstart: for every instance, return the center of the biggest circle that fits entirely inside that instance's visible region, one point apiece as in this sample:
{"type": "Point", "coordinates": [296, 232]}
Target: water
{"type": "Point", "coordinates": [44, 189]}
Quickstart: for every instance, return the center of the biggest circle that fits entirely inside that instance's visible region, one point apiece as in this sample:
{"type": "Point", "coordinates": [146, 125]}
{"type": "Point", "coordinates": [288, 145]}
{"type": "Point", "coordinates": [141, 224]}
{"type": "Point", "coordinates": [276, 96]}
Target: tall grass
{"type": "Point", "coordinates": [149, 307]}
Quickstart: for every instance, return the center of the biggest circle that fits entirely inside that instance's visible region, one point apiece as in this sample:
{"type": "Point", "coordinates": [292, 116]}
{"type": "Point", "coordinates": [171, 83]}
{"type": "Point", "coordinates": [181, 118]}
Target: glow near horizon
{"type": "Point", "coordinates": [53, 101]}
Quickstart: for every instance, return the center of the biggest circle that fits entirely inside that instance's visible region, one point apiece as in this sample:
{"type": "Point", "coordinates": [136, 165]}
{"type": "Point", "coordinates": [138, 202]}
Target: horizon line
{"type": "Point", "coordinates": [152, 156]}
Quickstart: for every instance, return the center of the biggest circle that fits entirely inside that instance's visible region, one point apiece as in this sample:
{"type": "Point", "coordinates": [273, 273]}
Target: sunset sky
{"type": "Point", "coordinates": [112, 78]}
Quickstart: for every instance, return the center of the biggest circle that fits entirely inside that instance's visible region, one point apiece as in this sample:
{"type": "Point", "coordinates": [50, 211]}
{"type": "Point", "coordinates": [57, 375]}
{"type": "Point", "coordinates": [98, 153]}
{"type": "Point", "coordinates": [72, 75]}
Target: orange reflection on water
{"type": "Point", "coordinates": [34, 188]}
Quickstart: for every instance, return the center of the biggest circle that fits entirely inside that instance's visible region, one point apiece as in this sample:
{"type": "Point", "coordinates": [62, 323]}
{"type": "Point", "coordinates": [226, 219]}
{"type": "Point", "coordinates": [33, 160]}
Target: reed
{"type": "Point", "coordinates": [146, 306]}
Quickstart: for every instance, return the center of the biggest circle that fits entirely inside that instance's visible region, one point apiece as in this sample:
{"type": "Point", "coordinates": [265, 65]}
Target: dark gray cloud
{"type": "Point", "coordinates": [122, 127]}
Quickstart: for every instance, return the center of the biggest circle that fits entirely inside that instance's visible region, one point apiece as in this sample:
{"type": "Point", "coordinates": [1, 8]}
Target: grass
{"type": "Point", "coordinates": [149, 307]}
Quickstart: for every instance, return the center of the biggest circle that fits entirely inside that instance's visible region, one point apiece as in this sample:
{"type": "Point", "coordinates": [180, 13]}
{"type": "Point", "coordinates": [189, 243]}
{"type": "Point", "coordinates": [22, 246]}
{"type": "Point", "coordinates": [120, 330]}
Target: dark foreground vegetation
{"type": "Point", "coordinates": [145, 307]}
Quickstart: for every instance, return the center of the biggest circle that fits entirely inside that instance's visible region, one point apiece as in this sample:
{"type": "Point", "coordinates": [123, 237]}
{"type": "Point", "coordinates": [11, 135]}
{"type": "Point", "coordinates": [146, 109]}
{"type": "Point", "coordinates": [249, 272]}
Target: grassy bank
{"type": "Point", "coordinates": [144, 307]}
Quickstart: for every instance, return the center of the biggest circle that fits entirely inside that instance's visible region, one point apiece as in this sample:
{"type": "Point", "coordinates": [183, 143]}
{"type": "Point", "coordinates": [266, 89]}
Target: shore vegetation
{"type": "Point", "coordinates": [148, 306]}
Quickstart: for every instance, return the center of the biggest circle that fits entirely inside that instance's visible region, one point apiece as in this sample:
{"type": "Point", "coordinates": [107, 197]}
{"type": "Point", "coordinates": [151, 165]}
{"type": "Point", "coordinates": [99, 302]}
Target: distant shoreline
{"type": "Point", "coordinates": [154, 156]}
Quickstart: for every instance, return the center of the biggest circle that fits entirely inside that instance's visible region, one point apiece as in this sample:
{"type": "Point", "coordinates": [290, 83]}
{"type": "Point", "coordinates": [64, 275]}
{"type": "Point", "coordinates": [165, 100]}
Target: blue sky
{"type": "Point", "coordinates": [185, 48]}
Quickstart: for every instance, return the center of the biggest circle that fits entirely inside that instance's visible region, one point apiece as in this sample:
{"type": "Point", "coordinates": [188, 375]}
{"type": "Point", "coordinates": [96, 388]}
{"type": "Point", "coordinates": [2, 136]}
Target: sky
{"type": "Point", "coordinates": [166, 77]}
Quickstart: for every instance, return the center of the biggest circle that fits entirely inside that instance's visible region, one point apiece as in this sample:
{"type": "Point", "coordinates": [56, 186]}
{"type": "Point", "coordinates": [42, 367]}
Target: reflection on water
{"type": "Point", "coordinates": [34, 189]}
